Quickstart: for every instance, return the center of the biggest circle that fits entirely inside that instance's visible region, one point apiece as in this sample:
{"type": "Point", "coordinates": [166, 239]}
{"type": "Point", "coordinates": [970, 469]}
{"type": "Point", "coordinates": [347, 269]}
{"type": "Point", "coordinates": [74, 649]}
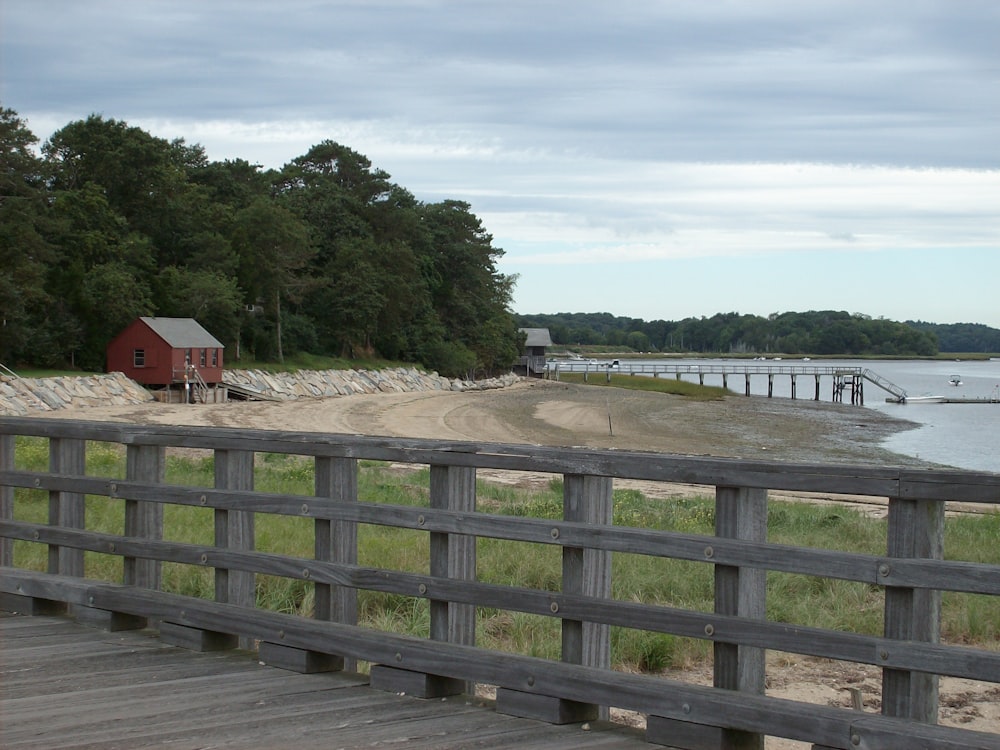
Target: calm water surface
{"type": "Point", "coordinates": [966, 436]}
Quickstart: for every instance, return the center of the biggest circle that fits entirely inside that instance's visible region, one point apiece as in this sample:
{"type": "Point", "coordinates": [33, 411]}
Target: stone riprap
{"type": "Point", "coordinates": [23, 396]}
{"type": "Point", "coordinates": [333, 383]}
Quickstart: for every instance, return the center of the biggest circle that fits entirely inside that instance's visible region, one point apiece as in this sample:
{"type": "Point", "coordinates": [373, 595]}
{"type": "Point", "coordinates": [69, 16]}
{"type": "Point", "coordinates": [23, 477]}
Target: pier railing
{"type": "Point", "coordinates": [843, 378]}
{"type": "Point", "coordinates": [734, 712]}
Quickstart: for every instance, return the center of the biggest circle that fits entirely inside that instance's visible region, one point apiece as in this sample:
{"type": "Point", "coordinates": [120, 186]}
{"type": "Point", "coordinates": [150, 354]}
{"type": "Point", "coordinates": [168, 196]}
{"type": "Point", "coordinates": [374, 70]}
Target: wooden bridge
{"type": "Point", "coordinates": [572, 693]}
{"type": "Point", "coordinates": [843, 380]}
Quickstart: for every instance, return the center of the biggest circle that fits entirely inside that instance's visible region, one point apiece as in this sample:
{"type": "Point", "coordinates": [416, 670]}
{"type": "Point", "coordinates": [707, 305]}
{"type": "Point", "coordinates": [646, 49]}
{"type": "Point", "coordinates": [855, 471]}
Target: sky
{"type": "Point", "coordinates": [656, 159]}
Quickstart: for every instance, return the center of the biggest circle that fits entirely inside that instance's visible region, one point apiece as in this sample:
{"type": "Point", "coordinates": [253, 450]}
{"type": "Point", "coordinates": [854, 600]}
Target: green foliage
{"type": "Point", "coordinates": [824, 332]}
{"type": "Point", "coordinates": [672, 386]}
{"type": "Point", "coordinates": [325, 257]}
{"type": "Point", "coordinates": [961, 337]}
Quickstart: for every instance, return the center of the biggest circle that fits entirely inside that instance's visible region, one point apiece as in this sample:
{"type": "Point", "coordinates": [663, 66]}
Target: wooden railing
{"type": "Point", "coordinates": [735, 712]}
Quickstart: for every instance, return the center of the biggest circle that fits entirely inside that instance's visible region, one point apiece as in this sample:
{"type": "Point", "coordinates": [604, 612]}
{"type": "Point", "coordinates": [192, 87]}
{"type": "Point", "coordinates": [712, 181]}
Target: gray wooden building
{"type": "Point", "coordinates": [532, 360]}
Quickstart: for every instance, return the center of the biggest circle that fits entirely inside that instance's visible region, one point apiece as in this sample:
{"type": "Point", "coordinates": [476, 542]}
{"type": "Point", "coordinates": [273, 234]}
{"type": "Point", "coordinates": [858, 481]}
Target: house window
{"type": "Point", "coordinates": [187, 356]}
{"type": "Point", "coordinates": [203, 359]}
{"type": "Point", "coordinates": [138, 357]}
{"type": "Point", "coordinates": [215, 358]}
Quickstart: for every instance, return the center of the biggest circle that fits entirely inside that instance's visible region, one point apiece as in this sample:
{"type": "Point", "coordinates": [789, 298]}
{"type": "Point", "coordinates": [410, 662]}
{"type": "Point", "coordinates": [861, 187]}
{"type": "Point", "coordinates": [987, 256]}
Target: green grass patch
{"type": "Point", "coordinates": [646, 383]}
{"type": "Point", "coordinates": [306, 361]}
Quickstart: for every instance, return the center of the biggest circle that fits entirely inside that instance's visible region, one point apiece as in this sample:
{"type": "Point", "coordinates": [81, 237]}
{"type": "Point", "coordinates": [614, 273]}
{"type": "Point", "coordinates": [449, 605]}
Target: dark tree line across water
{"type": "Point", "coordinates": [813, 332]}
{"type": "Point", "coordinates": [325, 255]}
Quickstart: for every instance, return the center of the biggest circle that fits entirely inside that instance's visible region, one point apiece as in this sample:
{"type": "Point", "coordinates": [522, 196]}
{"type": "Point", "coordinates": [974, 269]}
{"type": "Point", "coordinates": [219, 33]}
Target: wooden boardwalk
{"type": "Point", "coordinates": [65, 685]}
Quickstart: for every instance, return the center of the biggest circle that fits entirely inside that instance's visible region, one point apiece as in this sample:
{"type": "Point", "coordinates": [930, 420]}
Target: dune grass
{"type": "Point", "coordinates": [804, 600]}
{"type": "Point", "coordinates": [672, 386]}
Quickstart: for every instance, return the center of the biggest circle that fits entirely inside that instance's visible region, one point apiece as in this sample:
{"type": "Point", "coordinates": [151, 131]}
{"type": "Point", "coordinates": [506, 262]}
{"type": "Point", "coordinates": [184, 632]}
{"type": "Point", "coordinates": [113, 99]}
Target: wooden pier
{"type": "Point", "coordinates": [65, 685]}
{"type": "Point", "coordinates": [847, 381]}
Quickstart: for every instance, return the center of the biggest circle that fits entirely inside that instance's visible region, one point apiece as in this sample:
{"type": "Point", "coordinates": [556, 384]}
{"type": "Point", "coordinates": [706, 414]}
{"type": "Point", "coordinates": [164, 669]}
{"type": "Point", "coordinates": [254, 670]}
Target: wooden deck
{"type": "Point", "coordinates": [65, 685]}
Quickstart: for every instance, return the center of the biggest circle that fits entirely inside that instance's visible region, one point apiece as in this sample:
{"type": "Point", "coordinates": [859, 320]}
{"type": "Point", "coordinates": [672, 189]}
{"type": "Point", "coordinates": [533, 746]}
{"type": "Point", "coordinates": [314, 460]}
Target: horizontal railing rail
{"type": "Point", "coordinates": [735, 712]}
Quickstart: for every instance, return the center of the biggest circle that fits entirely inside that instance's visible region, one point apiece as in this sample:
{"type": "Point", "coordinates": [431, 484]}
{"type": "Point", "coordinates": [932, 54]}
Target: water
{"type": "Point", "coordinates": [965, 436]}
{"type": "Point", "coordinates": [962, 435]}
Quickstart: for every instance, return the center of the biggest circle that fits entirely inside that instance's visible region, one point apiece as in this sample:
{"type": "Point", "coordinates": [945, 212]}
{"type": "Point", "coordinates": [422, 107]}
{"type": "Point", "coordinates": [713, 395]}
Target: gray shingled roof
{"type": "Point", "coordinates": [183, 333]}
{"type": "Point", "coordinates": [537, 337]}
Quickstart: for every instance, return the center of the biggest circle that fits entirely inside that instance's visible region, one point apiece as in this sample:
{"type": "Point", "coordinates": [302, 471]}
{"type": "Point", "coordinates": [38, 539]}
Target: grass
{"type": "Point", "coordinates": [802, 600]}
{"type": "Point", "coordinates": [306, 361]}
{"type": "Point", "coordinates": [672, 386]}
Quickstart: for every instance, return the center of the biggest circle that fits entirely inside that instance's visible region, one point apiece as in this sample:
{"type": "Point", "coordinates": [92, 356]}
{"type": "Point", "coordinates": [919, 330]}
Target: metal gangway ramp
{"type": "Point", "coordinates": [884, 384]}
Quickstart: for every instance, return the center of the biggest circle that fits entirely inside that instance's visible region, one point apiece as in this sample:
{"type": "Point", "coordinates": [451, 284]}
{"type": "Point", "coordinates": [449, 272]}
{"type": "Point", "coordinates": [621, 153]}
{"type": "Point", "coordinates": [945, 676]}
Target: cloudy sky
{"type": "Point", "coordinates": [649, 158]}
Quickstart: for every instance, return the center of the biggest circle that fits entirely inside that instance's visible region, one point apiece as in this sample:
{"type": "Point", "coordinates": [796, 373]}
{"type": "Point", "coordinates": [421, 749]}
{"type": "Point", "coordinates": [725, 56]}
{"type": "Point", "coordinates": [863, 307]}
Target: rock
{"type": "Point", "coordinates": [22, 396]}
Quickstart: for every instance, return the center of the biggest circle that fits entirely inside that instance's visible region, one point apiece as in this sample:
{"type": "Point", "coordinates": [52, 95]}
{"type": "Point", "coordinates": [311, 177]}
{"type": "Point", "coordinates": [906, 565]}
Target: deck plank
{"type": "Point", "coordinates": [65, 685]}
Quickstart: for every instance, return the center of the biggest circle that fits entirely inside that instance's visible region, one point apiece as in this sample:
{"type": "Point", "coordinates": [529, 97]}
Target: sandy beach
{"type": "Point", "coordinates": [546, 412]}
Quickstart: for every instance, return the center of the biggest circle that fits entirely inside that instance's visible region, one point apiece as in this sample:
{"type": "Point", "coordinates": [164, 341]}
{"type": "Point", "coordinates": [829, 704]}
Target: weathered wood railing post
{"type": "Point", "coordinates": [585, 572]}
{"type": "Point", "coordinates": [6, 499]}
{"type": "Point", "coordinates": [336, 481]}
{"type": "Point", "coordinates": [67, 456]}
{"type": "Point", "coordinates": [10, 601]}
{"type": "Point", "coordinates": [337, 541]}
{"type": "Point", "coordinates": [740, 513]}
{"type": "Point", "coordinates": [234, 530]}
{"type": "Point", "coordinates": [143, 519]}
{"type": "Point", "coordinates": [451, 556]}
{"type": "Point", "coordinates": [916, 529]}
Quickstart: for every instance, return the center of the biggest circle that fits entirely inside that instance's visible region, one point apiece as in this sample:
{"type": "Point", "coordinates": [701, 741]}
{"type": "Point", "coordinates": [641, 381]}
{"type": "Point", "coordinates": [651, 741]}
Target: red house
{"type": "Point", "coordinates": [173, 355]}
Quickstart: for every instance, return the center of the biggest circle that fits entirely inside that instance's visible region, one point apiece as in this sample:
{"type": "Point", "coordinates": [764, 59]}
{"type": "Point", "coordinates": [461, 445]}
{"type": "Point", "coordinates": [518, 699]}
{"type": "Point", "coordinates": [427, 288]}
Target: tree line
{"type": "Point", "coordinates": [813, 332]}
{"type": "Point", "coordinates": [326, 255]}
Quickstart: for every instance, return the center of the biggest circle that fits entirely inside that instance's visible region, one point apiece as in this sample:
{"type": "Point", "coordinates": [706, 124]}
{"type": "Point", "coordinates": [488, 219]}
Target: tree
{"type": "Point", "coordinates": [112, 298]}
{"type": "Point", "coordinates": [210, 297]}
{"type": "Point", "coordinates": [466, 289]}
{"type": "Point", "coordinates": [274, 249]}
{"type": "Point", "coordinates": [25, 252]}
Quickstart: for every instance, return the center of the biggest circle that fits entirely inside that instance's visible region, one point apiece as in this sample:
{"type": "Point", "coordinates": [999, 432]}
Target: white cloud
{"type": "Point", "coordinates": [609, 139]}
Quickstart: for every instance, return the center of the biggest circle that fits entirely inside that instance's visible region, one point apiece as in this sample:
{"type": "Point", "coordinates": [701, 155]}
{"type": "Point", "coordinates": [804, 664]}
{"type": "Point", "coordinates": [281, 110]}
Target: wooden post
{"type": "Point", "coordinates": [816, 396]}
{"type": "Point", "coordinates": [337, 541]}
{"type": "Point", "coordinates": [916, 529]}
{"type": "Point", "coordinates": [143, 519]}
{"type": "Point", "coordinates": [793, 386]}
{"type": "Point", "coordinates": [451, 556]}
{"type": "Point", "coordinates": [740, 513]}
{"type": "Point", "coordinates": [66, 509]}
{"type": "Point", "coordinates": [6, 499]}
{"type": "Point", "coordinates": [234, 530]}
{"type": "Point", "coordinates": [587, 572]}
{"type": "Point", "coordinates": [748, 383]}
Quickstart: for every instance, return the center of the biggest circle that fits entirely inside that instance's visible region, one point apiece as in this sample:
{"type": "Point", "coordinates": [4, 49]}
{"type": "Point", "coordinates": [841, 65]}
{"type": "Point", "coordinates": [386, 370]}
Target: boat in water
{"type": "Point", "coordinates": [923, 400]}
